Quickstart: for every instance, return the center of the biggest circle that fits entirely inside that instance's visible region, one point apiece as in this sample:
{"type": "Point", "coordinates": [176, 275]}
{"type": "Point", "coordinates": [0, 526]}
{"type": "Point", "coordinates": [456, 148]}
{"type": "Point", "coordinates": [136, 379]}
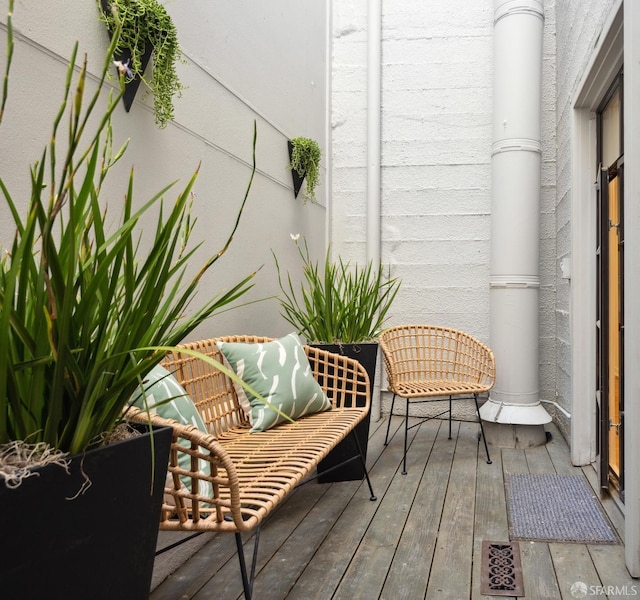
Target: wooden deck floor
{"type": "Point", "coordinates": [422, 538]}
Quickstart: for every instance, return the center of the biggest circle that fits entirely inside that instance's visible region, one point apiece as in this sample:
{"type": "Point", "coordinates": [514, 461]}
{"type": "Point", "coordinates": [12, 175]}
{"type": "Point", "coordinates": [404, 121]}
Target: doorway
{"type": "Point", "coordinates": [610, 291]}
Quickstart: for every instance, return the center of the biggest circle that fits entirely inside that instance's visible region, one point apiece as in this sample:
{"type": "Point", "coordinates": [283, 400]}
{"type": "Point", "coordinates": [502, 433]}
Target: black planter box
{"type": "Point", "coordinates": [59, 542]}
{"type": "Point", "coordinates": [366, 354]}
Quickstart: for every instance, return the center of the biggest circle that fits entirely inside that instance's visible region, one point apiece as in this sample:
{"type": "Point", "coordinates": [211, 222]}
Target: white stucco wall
{"type": "Point", "coordinates": [244, 62]}
{"type": "Point", "coordinates": [437, 78]}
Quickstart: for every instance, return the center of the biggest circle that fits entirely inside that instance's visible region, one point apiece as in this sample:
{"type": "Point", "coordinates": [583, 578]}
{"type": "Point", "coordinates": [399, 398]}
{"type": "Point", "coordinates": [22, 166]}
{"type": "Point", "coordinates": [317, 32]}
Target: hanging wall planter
{"type": "Point", "coordinates": [146, 31]}
{"type": "Point", "coordinates": [122, 60]}
{"type": "Point", "coordinates": [304, 158]}
{"type": "Point", "coordinates": [297, 177]}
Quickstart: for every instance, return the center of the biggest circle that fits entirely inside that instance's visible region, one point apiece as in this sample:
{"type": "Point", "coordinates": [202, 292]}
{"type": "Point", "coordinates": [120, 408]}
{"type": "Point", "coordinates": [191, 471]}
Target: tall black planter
{"type": "Point", "coordinates": [366, 354]}
{"type": "Point", "coordinates": [99, 544]}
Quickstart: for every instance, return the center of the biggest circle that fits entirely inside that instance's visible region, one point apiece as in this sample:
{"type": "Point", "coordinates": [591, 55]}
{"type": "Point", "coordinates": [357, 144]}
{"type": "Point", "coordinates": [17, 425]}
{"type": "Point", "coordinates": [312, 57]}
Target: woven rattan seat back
{"type": "Point", "coordinates": [427, 353]}
{"type": "Point", "coordinates": [429, 363]}
{"type": "Point", "coordinates": [211, 390]}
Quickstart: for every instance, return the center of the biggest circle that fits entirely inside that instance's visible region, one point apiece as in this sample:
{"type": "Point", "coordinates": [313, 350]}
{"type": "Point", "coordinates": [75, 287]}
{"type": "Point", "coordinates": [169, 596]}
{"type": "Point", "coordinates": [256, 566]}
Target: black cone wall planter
{"type": "Point", "coordinates": [131, 84]}
{"type": "Point", "coordinates": [297, 178]}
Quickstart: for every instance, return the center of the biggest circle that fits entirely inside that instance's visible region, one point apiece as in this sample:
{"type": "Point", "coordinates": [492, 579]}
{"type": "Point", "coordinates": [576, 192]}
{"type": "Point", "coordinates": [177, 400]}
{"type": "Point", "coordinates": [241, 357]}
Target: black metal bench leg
{"type": "Point", "coordinates": [363, 460]}
{"type": "Point", "coordinates": [484, 439]}
{"type": "Point", "coordinates": [247, 578]}
{"type": "Point", "coordinates": [386, 437]}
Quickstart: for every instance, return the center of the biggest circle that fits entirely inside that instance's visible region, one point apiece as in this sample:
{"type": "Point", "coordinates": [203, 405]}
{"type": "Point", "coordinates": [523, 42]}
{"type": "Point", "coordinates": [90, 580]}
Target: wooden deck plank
{"type": "Point", "coordinates": [454, 549]}
{"type": "Point", "coordinates": [559, 452]}
{"type": "Point", "coordinates": [514, 460]}
{"type": "Point", "coordinates": [190, 577]}
{"type": "Point", "coordinates": [538, 460]}
{"type": "Point", "coordinates": [409, 571]}
{"type": "Point", "coordinates": [323, 575]}
{"type": "Point", "coordinates": [367, 572]}
{"type": "Point", "coordinates": [612, 573]}
{"type": "Point", "coordinates": [280, 572]}
{"type": "Point", "coordinates": [275, 531]}
{"type": "Point", "coordinates": [572, 564]}
{"type": "Point", "coordinates": [537, 572]}
{"type": "Point", "coordinates": [610, 506]}
{"type": "Point", "coordinates": [491, 523]}
{"type": "Point", "coordinates": [421, 539]}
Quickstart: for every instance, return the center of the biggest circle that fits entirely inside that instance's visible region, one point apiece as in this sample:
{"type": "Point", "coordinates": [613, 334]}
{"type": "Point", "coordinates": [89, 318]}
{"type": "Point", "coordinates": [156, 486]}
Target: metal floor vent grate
{"type": "Point", "coordinates": [501, 569]}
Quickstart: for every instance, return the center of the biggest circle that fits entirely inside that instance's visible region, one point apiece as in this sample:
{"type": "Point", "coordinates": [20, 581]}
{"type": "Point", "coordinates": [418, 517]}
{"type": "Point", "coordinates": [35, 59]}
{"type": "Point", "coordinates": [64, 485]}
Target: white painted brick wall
{"type": "Point", "coordinates": [437, 79]}
{"type": "Point", "coordinates": [436, 153]}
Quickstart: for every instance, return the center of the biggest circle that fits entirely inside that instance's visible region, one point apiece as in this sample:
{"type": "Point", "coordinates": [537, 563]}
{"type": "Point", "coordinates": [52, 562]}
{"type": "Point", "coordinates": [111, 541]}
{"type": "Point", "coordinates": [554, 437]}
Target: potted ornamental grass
{"type": "Point", "coordinates": [340, 307]}
{"type": "Point", "coordinates": [86, 312]}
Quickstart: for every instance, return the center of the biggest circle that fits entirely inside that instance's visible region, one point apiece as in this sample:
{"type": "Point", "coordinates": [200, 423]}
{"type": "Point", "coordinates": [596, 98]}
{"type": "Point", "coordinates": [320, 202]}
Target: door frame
{"type": "Point", "coordinates": [605, 62]}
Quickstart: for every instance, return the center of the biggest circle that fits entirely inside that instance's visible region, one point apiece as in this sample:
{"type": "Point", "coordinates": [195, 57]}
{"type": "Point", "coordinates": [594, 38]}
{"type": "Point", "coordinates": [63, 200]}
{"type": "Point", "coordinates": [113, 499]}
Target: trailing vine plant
{"type": "Point", "coordinates": [305, 160]}
{"type": "Point", "coordinates": [145, 22]}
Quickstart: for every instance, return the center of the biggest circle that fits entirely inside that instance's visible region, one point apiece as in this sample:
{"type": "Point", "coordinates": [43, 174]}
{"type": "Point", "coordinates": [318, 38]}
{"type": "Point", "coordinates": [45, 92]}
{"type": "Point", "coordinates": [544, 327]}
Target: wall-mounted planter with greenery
{"type": "Point", "coordinates": [146, 31]}
{"type": "Point", "coordinates": [304, 156]}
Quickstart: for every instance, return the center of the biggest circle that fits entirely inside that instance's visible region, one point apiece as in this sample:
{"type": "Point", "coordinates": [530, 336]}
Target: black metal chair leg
{"type": "Point", "coordinates": [363, 460]}
{"type": "Point", "coordinates": [247, 579]}
{"type": "Point", "coordinates": [484, 439]}
{"type": "Point", "coordinates": [406, 435]}
{"type": "Point", "coordinates": [386, 437]}
{"type": "Point", "coordinates": [450, 407]}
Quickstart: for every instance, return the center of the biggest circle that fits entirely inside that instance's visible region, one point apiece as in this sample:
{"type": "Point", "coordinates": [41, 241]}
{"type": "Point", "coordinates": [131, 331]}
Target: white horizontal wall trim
{"type": "Point", "coordinates": [235, 94]}
{"type": "Point", "coordinates": [21, 37]}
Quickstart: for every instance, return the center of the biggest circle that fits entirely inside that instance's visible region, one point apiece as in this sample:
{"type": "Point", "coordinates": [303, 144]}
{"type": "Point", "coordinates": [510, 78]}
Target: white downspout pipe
{"type": "Point", "coordinates": [374, 107]}
{"type": "Point", "coordinates": [515, 228]}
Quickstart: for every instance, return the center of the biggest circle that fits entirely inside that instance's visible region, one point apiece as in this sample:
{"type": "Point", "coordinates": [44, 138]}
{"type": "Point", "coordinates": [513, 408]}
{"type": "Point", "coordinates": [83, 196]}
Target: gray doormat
{"type": "Point", "coordinates": [556, 508]}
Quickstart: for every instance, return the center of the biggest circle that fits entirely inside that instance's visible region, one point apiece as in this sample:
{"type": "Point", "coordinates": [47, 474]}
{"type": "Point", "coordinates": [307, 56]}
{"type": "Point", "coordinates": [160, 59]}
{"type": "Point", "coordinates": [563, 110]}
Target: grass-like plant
{"type": "Point", "coordinates": [305, 160]}
{"type": "Point", "coordinates": [337, 302]}
{"type": "Point", "coordinates": [82, 305]}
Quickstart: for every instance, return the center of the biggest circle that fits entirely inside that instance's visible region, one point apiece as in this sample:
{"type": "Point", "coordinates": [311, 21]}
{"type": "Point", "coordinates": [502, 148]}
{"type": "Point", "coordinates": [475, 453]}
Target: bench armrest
{"type": "Point", "coordinates": [202, 485]}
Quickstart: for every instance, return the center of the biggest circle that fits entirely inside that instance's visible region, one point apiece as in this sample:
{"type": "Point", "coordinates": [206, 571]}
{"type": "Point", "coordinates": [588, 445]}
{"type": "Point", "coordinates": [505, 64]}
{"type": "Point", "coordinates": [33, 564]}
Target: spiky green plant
{"type": "Point", "coordinates": [337, 302]}
{"type": "Point", "coordinates": [82, 306]}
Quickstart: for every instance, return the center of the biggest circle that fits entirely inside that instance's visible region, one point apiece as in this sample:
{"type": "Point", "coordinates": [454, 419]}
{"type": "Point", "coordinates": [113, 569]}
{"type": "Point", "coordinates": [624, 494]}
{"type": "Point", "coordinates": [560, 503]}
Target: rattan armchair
{"type": "Point", "coordinates": [425, 363]}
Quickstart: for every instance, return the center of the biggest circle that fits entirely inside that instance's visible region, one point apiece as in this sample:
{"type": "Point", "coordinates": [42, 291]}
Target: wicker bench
{"type": "Point", "coordinates": [238, 478]}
